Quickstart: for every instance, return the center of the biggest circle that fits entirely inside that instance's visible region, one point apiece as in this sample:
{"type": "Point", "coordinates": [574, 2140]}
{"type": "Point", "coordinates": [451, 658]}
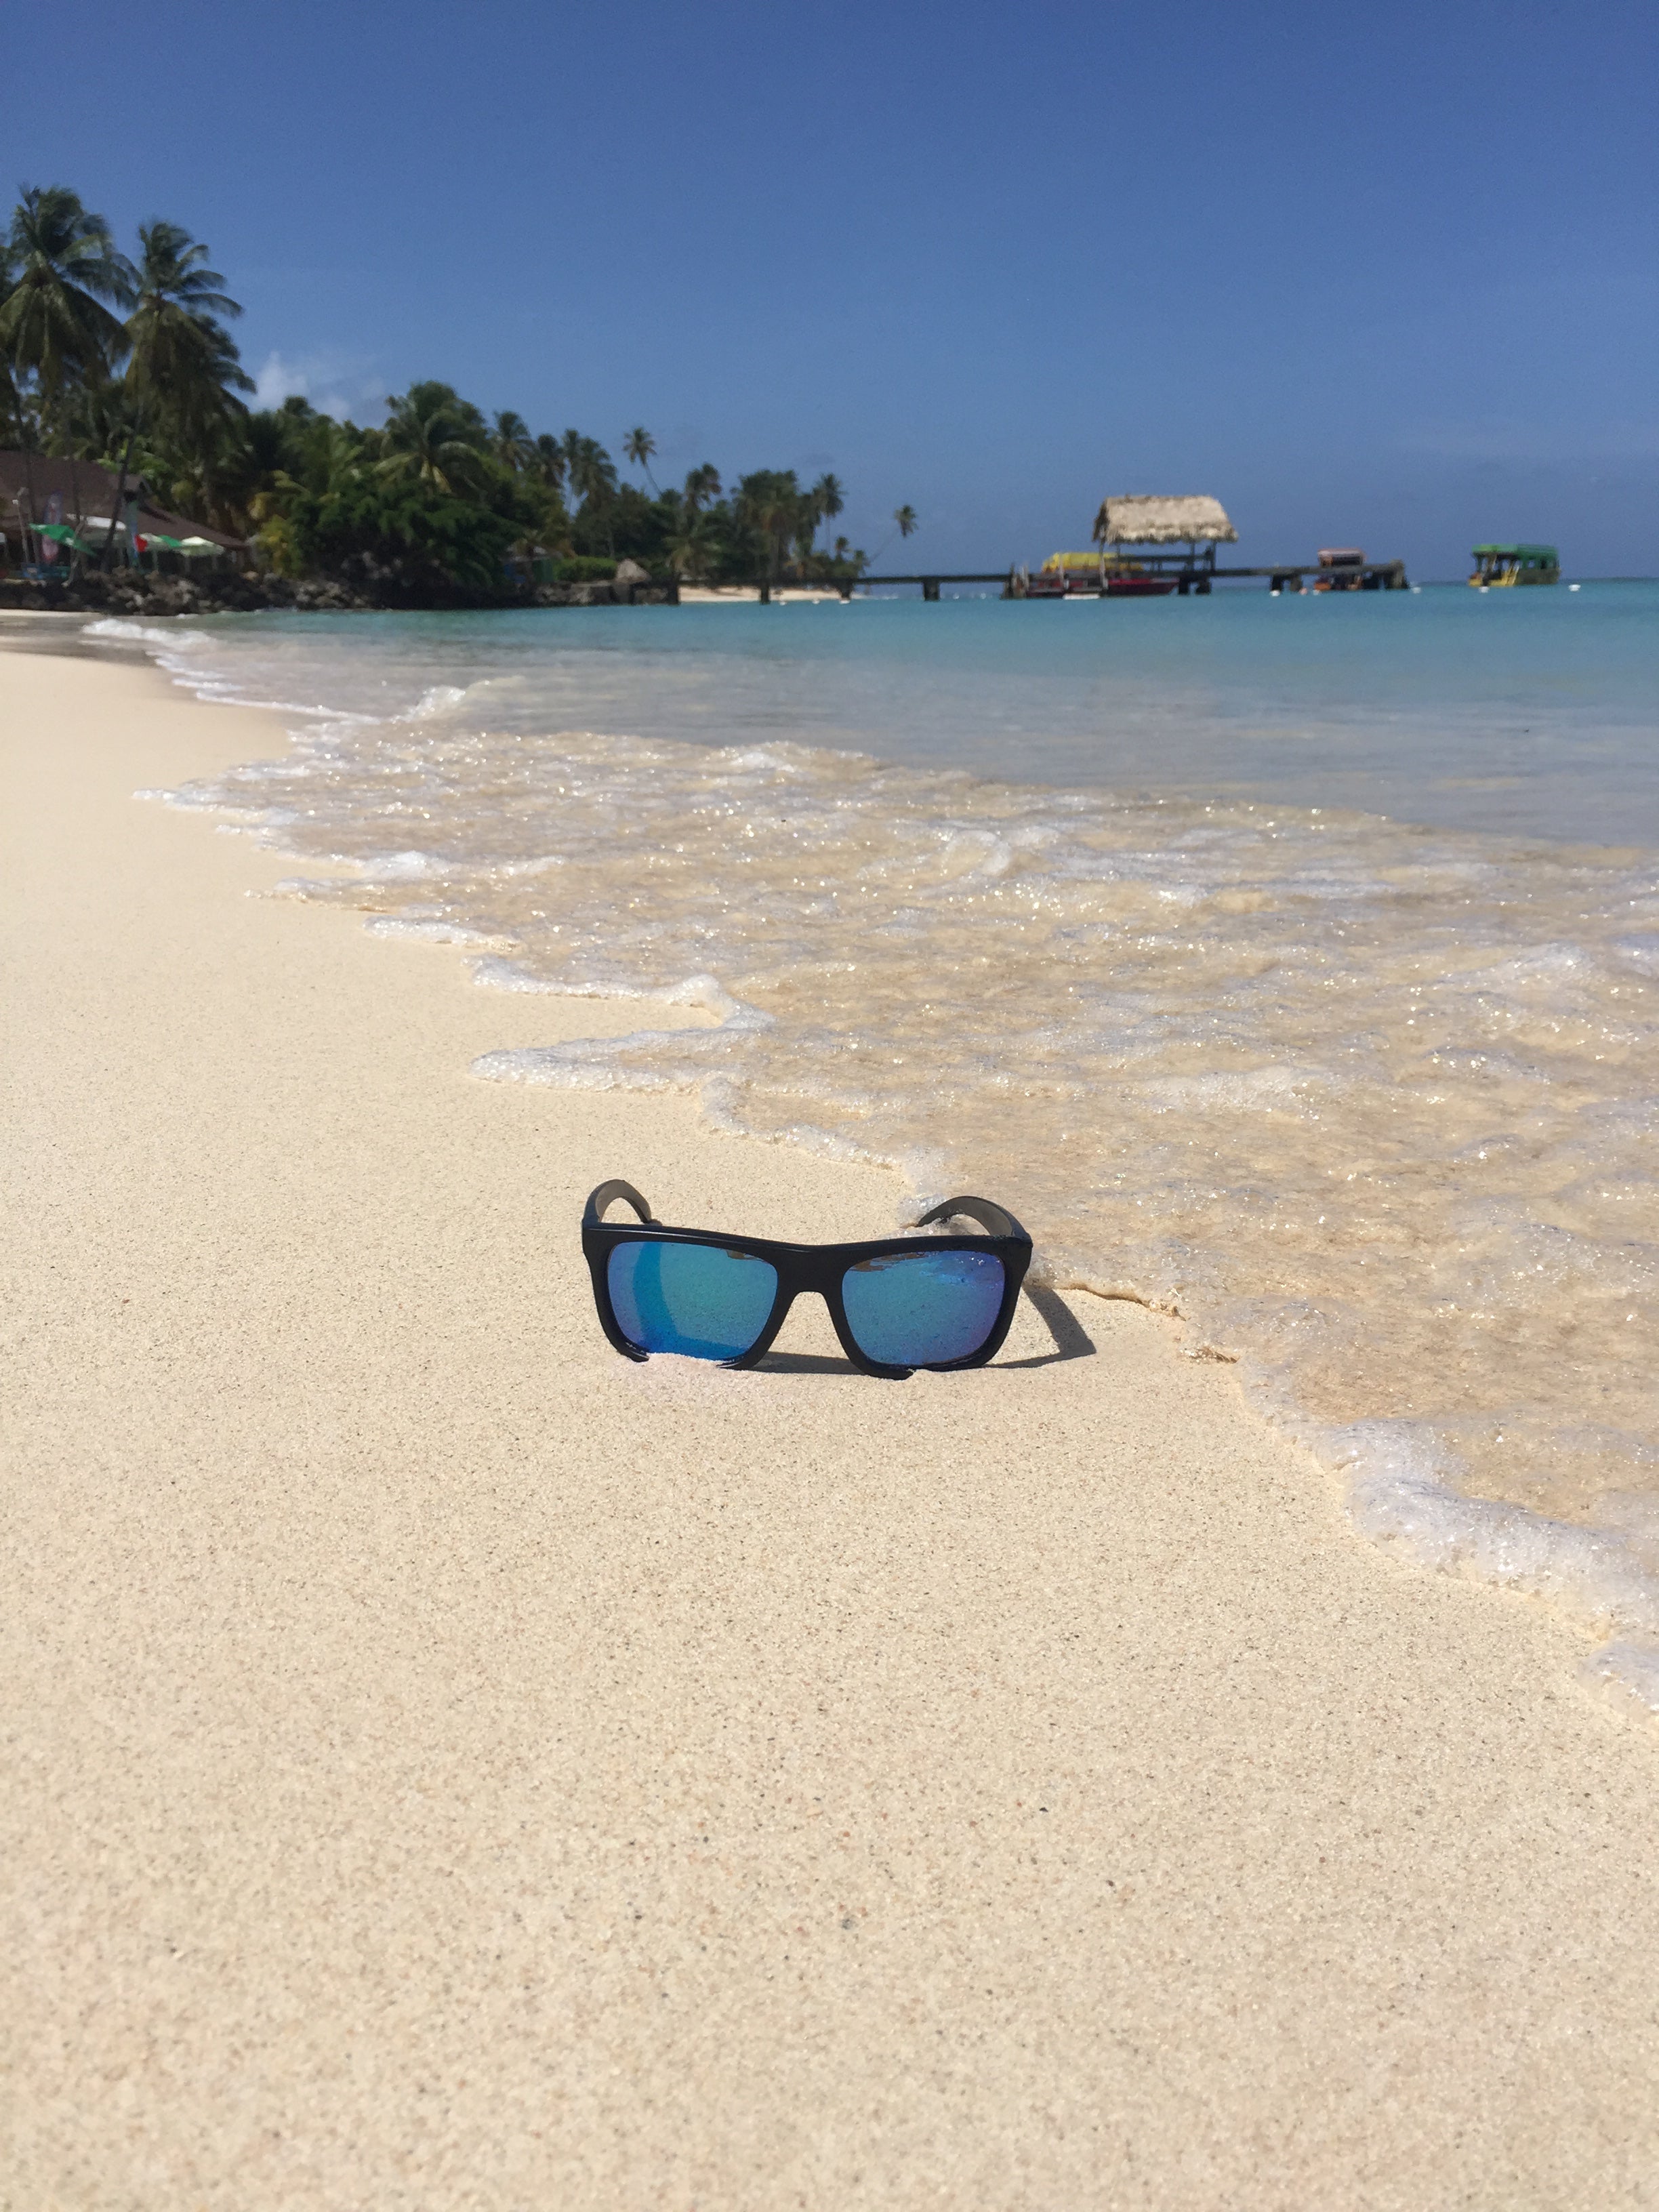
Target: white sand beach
{"type": "Point", "coordinates": [748, 595]}
{"type": "Point", "coordinates": [446, 1766]}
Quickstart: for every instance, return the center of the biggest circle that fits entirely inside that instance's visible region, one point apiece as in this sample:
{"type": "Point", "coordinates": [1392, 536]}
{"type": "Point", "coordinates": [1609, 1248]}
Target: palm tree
{"type": "Point", "coordinates": [807, 518]}
{"type": "Point", "coordinates": [100, 419]}
{"type": "Point", "coordinates": [589, 469]}
{"type": "Point", "coordinates": [11, 403]}
{"type": "Point", "coordinates": [769, 501]}
{"type": "Point", "coordinates": [639, 446]}
{"type": "Point", "coordinates": [258, 480]}
{"type": "Point", "coordinates": [905, 517]}
{"type": "Point", "coordinates": [598, 470]}
{"type": "Point", "coordinates": [329, 456]}
{"type": "Point", "coordinates": [547, 462]}
{"type": "Point", "coordinates": [591, 475]}
{"type": "Point", "coordinates": [184, 374]}
{"type": "Point", "coordinates": [54, 326]}
{"type": "Point", "coordinates": [695, 543]}
{"type": "Point", "coordinates": [701, 486]}
{"type": "Point", "coordinates": [184, 371]}
{"type": "Point", "coordinates": [828, 499]}
{"type": "Point", "coordinates": [511, 442]}
{"type": "Point", "coordinates": [434, 436]}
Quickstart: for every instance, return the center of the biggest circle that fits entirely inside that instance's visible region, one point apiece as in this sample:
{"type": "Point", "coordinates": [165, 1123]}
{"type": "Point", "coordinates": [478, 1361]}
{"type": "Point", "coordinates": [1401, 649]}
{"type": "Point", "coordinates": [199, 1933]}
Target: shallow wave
{"type": "Point", "coordinates": [119, 632]}
{"type": "Point", "coordinates": [1370, 1106]}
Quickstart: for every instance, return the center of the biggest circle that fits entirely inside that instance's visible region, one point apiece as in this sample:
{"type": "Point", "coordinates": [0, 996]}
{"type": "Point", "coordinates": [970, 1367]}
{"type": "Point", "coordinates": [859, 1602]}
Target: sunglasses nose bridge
{"type": "Point", "coordinates": [791, 1294]}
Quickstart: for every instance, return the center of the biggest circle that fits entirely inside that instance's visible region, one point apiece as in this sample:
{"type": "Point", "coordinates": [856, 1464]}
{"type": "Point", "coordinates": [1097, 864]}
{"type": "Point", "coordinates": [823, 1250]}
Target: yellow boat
{"type": "Point", "coordinates": [1496, 568]}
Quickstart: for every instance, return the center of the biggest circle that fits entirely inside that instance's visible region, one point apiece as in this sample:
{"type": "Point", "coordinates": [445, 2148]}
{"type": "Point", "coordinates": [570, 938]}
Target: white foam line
{"type": "Point", "coordinates": [433, 932]}
{"type": "Point", "coordinates": [594, 1063]}
{"type": "Point", "coordinates": [1399, 1497]}
{"type": "Point", "coordinates": [706, 991]}
{"type": "Point", "coordinates": [113, 631]}
{"type": "Point", "coordinates": [219, 687]}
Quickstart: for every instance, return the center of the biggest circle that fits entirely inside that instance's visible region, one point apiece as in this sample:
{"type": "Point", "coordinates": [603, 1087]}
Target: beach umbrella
{"type": "Point", "coordinates": [61, 534]}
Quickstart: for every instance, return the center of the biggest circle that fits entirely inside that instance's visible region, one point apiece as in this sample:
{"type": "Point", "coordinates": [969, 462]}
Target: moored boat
{"type": "Point", "coordinates": [1500, 567]}
{"type": "Point", "coordinates": [1341, 568]}
{"type": "Point", "coordinates": [1096, 577]}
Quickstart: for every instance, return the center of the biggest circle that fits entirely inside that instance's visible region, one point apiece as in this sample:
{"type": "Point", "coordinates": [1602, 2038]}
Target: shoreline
{"type": "Point", "coordinates": [748, 595]}
{"type": "Point", "coordinates": [447, 1764]}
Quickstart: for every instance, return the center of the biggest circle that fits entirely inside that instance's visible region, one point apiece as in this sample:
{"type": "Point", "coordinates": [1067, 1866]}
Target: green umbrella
{"type": "Point", "coordinates": [153, 537]}
{"type": "Point", "coordinates": [61, 532]}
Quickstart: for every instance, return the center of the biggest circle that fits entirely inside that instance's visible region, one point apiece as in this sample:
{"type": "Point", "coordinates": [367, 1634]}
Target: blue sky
{"type": "Point", "coordinates": [1387, 277]}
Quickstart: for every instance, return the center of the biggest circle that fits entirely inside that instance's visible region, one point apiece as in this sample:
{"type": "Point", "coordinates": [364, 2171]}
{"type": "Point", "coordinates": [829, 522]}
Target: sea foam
{"type": "Point", "coordinates": [1371, 1106]}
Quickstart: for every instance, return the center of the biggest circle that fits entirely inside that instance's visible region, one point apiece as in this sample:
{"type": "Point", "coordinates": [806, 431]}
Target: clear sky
{"type": "Point", "coordinates": [1380, 276]}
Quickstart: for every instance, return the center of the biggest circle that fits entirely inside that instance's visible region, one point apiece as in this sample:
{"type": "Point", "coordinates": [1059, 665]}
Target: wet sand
{"type": "Point", "coordinates": [445, 1765]}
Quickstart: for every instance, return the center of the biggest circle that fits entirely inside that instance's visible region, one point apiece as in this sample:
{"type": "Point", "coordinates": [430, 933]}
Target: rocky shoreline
{"type": "Point", "coordinates": [122, 593]}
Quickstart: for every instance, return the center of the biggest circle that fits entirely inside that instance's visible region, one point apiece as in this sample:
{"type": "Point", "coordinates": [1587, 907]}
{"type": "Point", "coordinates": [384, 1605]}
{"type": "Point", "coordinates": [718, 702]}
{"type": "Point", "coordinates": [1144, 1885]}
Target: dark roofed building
{"type": "Point", "coordinates": [83, 496]}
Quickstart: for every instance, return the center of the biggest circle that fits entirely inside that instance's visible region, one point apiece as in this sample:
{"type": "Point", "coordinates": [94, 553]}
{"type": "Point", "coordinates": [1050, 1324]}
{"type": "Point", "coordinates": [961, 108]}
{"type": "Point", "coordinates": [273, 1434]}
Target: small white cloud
{"type": "Point", "coordinates": [335, 384]}
{"type": "Point", "coordinates": [277, 382]}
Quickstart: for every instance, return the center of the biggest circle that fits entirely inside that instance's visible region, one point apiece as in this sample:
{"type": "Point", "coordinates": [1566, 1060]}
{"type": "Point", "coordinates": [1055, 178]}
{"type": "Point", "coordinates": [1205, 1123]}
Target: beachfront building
{"type": "Point", "coordinates": [1134, 529]}
{"type": "Point", "coordinates": [1135, 533]}
{"type": "Point", "coordinates": [53, 510]}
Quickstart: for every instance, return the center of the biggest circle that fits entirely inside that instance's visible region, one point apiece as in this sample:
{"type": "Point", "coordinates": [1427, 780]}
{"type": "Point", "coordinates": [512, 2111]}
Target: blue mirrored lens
{"type": "Point", "coordinates": [693, 1299]}
{"type": "Point", "coordinates": [918, 1309]}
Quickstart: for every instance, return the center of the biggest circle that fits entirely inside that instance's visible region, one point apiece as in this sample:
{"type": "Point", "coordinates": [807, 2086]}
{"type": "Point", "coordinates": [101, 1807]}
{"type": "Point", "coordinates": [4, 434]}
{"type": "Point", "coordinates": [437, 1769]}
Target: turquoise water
{"type": "Point", "coordinates": [1292, 966]}
{"type": "Point", "coordinates": [1532, 712]}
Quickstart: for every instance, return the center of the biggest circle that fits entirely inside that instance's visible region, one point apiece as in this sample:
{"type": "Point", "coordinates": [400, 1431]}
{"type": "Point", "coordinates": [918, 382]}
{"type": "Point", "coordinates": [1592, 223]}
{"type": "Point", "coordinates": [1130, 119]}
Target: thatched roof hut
{"type": "Point", "coordinates": [1146, 519]}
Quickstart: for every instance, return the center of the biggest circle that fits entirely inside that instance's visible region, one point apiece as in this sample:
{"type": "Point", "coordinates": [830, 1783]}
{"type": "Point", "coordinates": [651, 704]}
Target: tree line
{"type": "Point", "coordinates": [129, 362]}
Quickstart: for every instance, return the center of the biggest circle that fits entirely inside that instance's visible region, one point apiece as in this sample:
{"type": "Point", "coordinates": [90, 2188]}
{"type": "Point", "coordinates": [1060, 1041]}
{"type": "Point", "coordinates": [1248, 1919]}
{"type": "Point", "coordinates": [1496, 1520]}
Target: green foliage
{"type": "Point", "coordinates": [409, 535]}
{"type": "Point", "coordinates": [579, 568]}
{"type": "Point", "coordinates": [511, 443]}
{"type": "Point", "coordinates": [434, 436]}
{"type": "Point", "coordinates": [625, 525]}
{"type": "Point", "coordinates": [184, 373]}
{"type": "Point", "coordinates": [435, 502]}
{"type": "Point", "coordinates": [61, 265]}
{"type": "Point", "coordinates": [588, 469]}
{"type": "Point", "coordinates": [770, 506]}
{"type": "Point", "coordinates": [639, 446]}
{"type": "Point", "coordinates": [280, 544]}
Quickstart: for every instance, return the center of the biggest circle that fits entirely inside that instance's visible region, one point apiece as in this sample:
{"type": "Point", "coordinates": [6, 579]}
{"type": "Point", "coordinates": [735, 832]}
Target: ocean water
{"type": "Point", "coordinates": [1292, 966]}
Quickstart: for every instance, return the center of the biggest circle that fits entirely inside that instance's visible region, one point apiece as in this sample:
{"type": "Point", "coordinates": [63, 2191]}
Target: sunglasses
{"type": "Point", "coordinates": [898, 1303]}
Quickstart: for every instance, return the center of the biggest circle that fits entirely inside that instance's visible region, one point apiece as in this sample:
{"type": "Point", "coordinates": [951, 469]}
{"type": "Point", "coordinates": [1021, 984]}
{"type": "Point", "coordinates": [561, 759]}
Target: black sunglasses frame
{"type": "Point", "coordinates": [808, 1268]}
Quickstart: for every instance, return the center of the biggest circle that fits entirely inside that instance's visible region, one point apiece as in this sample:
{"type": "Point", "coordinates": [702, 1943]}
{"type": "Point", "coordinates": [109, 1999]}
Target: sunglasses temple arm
{"type": "Point", "coordinates": [996, 1218]}
{"type": "Point", "coordinates": [607, 1195]}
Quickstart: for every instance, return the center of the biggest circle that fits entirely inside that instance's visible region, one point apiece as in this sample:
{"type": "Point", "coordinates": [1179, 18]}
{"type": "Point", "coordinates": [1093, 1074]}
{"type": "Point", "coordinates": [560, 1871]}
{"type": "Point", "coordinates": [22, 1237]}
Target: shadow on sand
{"type": "Point", "coordinates": [1072, 1341]}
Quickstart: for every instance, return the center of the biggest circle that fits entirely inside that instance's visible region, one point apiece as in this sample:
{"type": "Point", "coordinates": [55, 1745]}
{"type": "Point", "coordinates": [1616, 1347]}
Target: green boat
{"type": "Point", "coordinates": [1496, 568]}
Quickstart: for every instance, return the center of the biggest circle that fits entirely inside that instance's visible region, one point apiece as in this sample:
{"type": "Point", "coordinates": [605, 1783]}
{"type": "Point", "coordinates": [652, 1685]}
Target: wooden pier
{"type": "Point", "coordinates": [1373, 576]}
{"type": "Point", "coordinates": [1192, 577]}
{"type": "Point", "coordinates": [930, 584]}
